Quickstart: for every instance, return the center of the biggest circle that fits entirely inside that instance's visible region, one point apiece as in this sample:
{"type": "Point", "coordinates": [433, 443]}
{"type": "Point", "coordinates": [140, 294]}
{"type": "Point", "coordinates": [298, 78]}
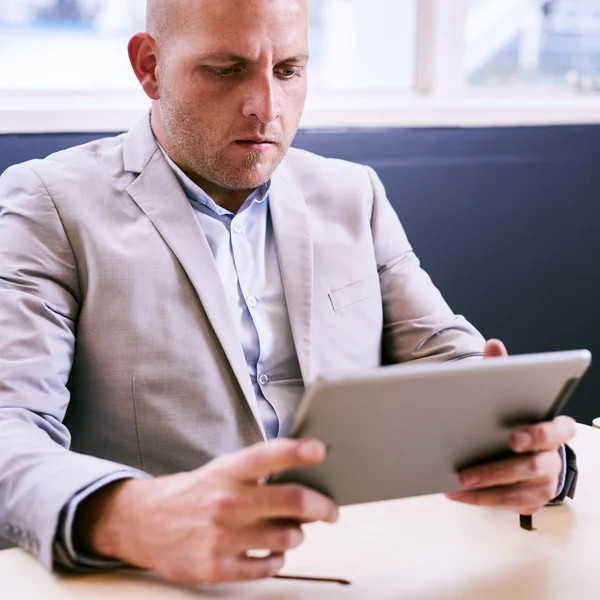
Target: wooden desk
{"type": "Point", "coordinates": [417, 549]}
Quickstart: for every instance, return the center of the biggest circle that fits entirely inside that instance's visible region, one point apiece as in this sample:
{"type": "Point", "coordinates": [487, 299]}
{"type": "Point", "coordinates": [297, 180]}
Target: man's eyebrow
{"type": "Point", "coordinates": [296, 59]}
{"type": "Point", "coordinates": [227, 57]}
{"type": "Point", "coordinates": [224, 56]}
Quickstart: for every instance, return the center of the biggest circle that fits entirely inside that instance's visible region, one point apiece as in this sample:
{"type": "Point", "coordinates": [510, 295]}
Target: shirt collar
{"type": "Point", "coordinates": [196, 194]}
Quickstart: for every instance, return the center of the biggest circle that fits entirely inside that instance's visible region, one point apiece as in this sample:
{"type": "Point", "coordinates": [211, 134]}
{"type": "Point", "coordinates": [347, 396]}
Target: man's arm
{"type": "Point", "coordinates": [418, 323]}
{"type": "Point", "coordinates": [192, 527]}
{"type": "Point", "coordinates": [39, 305]}
{"type": "Point", "coordinates": [69, 552]}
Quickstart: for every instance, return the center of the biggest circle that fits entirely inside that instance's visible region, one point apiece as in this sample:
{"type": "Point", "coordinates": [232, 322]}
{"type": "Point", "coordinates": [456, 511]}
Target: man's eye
{"type": "Point", "coordinates": [289, 73]}
{"type": "Point", "coordinates": [226, 71]}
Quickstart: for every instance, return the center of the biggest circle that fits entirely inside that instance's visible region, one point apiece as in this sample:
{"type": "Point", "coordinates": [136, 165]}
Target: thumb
{"type": "Point", "coordinates": [262, 460]}
{"type": "Point", "coordinates": [494, 349]}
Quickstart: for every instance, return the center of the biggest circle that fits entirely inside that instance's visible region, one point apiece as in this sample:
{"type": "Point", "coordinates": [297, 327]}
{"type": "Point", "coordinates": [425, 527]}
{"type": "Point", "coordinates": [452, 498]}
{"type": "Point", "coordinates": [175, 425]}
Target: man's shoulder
{"type": "Point", "coordinates": [328, 181]}
{"type": "Point", "coordinates": [302, 162]}
{"type": "Point", "coordinates": [78, 163]}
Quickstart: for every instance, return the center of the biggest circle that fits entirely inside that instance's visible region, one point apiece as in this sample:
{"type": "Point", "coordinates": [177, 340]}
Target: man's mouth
{"type": "Point", "coordinates": [255, 144]}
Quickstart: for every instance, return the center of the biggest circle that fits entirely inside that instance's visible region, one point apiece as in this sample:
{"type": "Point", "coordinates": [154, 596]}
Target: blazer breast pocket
{"type": "Point", "coordinates": [355, 292]}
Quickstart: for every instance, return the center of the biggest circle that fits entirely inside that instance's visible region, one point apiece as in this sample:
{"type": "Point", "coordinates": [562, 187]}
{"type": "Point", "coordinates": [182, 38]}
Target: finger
{"type": "Point", "coordinates": [264, 459]}
{"type": "Point", "coordinates": [274, 536]}
{"type": "Point", "coordinates": [543, 436]}
{"type": "Point", "coordinates": [295, 502]}
{"type": "Point", "coordinates": [543, 466]}
{"type": "Point", "coordinates": [494, 349]}
{"type": "Point", "coordinates": [523, 498]}
{"type": "Point", "coordinates": [246, 568]}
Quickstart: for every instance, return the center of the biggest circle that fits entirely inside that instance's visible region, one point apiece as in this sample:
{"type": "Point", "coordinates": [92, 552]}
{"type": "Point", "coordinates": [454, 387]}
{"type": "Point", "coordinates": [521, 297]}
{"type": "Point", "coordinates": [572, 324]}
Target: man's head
{"type": "Point", "coordinates": [228, 84]}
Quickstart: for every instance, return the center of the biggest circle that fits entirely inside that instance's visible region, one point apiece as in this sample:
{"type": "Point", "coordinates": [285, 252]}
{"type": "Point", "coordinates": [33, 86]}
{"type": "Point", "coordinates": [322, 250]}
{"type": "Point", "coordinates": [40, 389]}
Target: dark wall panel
{"type": "Point", "coordinates": [504, 220]}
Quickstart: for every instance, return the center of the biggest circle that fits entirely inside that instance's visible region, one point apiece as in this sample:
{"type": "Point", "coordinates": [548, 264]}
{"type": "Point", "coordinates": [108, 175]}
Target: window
{"type": "Point", "coordinates": [534, 43]}
{"type": "Point", "coordinates": [64, 64]}
{"type": "Point", "coordinates": [81, 44]}
{"type": "Point", "coordinates": [48, 45]}
{"type": "Point", "coordinates": [363, 45]}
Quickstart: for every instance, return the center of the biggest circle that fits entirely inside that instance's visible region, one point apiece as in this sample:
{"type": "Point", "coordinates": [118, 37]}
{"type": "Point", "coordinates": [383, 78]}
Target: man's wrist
{"type": "Point", "coordinates": [101, 519]}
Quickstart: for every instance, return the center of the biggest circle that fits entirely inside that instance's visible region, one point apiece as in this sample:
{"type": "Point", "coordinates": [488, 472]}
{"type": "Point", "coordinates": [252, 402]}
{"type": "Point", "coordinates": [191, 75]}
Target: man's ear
{"type": "Point", "coordinates": [143, 51]}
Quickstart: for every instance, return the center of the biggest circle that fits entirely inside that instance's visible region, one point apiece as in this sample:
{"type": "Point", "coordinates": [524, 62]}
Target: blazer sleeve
{"type": "Point", "coordinates": [418, 323]}
{"type": "Point", "coordinates": [39, 307]}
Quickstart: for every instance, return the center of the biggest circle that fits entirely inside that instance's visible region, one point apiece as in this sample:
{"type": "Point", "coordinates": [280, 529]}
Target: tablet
{"type": "Point", "coordinates": [406, 430]}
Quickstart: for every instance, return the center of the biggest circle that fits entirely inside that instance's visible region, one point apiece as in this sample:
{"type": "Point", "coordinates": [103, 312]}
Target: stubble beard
{"type": "Point", "coordinates": [252, 159]}
{"type": "Point", "coordinates": [185, 134]}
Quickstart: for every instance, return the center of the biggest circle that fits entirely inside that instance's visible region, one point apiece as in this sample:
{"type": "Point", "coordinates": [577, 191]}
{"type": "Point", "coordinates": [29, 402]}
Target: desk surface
{"type": "Point", "coordinates": [415, 549]}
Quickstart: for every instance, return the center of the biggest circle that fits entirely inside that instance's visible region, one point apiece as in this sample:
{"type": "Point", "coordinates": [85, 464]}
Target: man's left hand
{"type": "Point", "coordinates": [526, 482]}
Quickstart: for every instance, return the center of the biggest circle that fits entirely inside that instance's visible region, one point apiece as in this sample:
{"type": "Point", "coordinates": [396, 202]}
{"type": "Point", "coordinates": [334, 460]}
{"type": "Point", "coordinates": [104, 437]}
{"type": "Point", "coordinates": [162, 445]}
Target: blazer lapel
{"type": "Point", "coordinates": [295, 251]}
{"type": "Point", "coordinates": [158, 193]}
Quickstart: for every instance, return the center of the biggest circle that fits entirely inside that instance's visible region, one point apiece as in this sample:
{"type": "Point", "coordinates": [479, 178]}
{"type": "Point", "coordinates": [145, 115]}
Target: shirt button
{"type": "Point", "coordinates": [263, 379]}
{"type": "Point", "coordinates": [237, 229]}
{"type": "Point", "coordinates": [252, 301]}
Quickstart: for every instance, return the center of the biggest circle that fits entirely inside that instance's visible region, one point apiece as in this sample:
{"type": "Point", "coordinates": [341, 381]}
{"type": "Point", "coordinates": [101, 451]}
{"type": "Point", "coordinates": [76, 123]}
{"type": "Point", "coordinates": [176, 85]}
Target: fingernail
{"type": "Point", "coordinates": [334, 515]}
{"type": "Point", "coordinates": [311, 451]}
{"type": "Point", "coordinates": [469, 480]}
{"type": "Point", "coordinates": [521, 441]}
{"type": "Point", "coordinates": [453, 496]}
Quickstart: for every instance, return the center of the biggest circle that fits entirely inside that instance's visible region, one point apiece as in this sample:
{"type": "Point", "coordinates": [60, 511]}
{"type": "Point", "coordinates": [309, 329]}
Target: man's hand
{"type": "Point", "coordinates": [527, 482]}
{"type": "Point", "coordinates": [197, 527]}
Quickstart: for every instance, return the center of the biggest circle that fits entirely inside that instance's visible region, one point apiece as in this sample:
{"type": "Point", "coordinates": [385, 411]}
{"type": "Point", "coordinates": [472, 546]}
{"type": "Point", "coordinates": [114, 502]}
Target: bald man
{"type": "Point", "coordinates": [167, 295]}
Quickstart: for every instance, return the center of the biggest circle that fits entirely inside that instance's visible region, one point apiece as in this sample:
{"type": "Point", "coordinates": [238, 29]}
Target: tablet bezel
{"type": "Point", "coordinates": [557, 371]}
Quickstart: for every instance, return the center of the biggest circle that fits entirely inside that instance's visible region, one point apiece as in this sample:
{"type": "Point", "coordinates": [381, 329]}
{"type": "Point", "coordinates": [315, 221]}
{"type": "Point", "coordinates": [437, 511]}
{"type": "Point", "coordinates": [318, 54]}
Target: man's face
{"type": "Point", "coordinates": [232, 83]}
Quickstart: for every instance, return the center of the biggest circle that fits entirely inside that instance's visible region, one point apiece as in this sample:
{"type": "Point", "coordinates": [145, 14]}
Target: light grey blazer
{"type": "Point", "coordinates": [115, 335]}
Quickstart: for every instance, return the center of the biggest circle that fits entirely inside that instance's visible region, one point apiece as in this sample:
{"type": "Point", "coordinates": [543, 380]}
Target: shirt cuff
{"type": "Point", "coordinates": [65, 553]}
{"type": "Point", "coordinates": [562, 478]}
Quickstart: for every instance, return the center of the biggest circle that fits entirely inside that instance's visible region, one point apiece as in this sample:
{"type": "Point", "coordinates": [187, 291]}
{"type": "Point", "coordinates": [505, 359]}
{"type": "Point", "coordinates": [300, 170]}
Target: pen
{"type": "Point", "coordinates": [526, 522]}
{"type": "Point", "coordinates": [313, 579]}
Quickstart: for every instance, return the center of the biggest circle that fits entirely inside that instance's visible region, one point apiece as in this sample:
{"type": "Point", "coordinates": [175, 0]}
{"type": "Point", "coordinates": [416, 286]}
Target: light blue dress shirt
{"type": "Point", "coordinates": [243, 247]}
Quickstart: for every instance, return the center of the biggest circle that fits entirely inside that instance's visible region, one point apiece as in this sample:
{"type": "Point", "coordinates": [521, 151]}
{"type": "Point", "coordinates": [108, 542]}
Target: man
{"type": "Point", "coordinates": [166, 295]}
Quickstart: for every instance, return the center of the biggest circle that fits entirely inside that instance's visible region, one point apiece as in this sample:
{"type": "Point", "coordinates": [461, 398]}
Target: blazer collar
{"type": "Point", "coordinates": [294, 244]}
{"type": "Point", "coordinates": [160, 196]}
{"type": "Point", "coordinates": [139, 146]}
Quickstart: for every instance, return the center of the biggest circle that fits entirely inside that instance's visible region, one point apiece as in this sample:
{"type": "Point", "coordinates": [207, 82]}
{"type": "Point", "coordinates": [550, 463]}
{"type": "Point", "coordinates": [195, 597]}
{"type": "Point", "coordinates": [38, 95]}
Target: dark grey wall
{"type": "Point", "coordinates": [505, 220]}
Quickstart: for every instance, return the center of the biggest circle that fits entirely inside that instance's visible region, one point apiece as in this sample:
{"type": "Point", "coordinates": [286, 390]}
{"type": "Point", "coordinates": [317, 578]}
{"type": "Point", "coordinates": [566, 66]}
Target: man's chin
{"type": "Point", "coordinates": [253, 177]}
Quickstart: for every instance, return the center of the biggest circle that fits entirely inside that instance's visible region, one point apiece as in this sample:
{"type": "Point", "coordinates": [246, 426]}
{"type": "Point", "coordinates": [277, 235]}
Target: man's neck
{"type": "Point", "coordinates": [230, 200]}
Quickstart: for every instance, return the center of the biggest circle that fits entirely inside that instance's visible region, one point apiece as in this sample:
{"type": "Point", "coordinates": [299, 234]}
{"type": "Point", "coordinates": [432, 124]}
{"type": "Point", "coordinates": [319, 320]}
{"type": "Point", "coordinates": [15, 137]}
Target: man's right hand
{"type": "Point", "coordinates": [197, 527]}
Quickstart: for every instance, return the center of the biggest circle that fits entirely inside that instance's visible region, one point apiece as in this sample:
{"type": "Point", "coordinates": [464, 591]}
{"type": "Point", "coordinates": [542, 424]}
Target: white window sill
{"type": "Point", "coordinates": [476, 110]}
{"type": "Point", "coordinates": [117, 111]}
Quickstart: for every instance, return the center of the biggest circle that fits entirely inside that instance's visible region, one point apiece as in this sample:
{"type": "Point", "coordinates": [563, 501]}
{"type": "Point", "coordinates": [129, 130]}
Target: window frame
{"type": "Point", "coordinates": [441, 97]}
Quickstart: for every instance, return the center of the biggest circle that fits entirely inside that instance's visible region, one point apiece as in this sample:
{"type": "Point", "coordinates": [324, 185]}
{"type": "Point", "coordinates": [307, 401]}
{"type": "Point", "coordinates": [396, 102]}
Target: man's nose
{"type": "Point", "coordinates": [262, 102]}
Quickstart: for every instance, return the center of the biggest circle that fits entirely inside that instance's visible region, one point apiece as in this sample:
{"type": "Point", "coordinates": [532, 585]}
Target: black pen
{"type": "Point", "coordinates": [526, 522]}
{"type": "Point", "coordinates": [313, 579]}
